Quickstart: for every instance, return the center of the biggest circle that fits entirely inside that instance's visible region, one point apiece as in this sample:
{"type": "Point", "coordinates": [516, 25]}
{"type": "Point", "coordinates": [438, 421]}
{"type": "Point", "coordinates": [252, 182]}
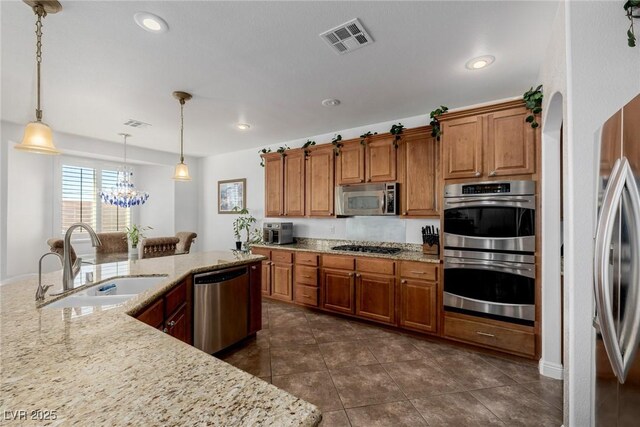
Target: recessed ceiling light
{"type": "Point", "coordinates": [331, 102]}
{"type": "Point", "coordinates": [480, 62]}
{"type": "Point", "coordinates": [243, 126]}
{"type": "Point", "coordinates": [150, 22]}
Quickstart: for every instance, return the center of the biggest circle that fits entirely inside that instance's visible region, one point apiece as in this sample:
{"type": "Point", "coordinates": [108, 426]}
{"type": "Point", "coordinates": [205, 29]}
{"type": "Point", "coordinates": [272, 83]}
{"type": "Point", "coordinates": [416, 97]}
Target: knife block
{"type": "Point", "coordinates": [431, 249]}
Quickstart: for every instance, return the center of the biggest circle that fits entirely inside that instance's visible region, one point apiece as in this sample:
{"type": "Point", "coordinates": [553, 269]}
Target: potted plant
{"type": "Point", "coordinates": [632, 10]}
{"type": "Point", "coordinates": [244, 223]}
{"type": "Point", "coordinates": [134, 234]}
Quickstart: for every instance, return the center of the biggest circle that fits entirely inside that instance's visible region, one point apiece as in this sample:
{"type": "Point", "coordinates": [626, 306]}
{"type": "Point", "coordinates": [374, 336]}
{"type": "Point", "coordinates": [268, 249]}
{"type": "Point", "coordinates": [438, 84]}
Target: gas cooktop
{"type": "Point", "coordinates": [371, 249]}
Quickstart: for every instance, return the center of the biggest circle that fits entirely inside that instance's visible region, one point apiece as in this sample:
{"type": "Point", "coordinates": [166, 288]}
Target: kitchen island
{"type": "Point", "coordinates": [99, 366]}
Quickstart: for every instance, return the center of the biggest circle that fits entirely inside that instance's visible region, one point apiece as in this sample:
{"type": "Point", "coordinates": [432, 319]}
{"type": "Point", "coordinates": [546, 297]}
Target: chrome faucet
{"type": "Point", "coordinates": [70, 270]}
{"type": "Point", "coordinates": [42, 290]}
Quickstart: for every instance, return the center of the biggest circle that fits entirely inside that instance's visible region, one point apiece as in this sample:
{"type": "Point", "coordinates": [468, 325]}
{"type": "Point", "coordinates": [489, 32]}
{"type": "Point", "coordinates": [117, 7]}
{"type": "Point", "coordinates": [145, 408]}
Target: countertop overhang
{"type": "Point", "coordinates": [93, 366]}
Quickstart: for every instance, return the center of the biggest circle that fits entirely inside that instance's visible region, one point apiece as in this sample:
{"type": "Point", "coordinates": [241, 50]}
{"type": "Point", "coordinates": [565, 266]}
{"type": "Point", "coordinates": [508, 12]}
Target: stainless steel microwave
{"type": "Point", "coordinates": [367, 199]}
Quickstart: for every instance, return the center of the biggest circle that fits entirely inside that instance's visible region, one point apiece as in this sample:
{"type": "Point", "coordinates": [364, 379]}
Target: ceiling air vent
{"type": "Point", "coordinates": [347, 37]}
{"type": "Point", "coordinates": [136, 124]}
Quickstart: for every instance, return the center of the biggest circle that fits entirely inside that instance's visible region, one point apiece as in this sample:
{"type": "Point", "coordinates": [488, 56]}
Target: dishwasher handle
{"type": "Point", "coordinates": [219, 276]}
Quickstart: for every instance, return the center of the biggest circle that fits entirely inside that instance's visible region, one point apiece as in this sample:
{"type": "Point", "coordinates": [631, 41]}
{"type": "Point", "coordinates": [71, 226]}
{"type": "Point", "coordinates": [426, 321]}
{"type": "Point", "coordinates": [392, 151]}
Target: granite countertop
{"type": "Point", "coordinates": [409, 252]}
{"type": "Point", "coordinates": [94, 366]}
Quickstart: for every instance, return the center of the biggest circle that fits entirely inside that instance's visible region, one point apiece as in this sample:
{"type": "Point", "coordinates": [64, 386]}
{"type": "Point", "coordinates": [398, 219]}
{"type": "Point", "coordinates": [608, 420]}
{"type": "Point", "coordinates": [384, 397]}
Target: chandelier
{"type": "Point", "coordinates": [124, 194]}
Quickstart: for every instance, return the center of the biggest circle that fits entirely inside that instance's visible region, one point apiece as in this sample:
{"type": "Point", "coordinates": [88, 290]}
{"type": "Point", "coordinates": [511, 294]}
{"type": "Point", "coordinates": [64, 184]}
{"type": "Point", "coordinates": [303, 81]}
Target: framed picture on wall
{"type": "Point", "coordinates": [232, 194]}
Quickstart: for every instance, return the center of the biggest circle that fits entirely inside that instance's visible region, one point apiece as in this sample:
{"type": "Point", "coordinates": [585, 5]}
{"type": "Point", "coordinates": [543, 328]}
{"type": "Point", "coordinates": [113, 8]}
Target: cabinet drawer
{"type": "Point", "coordinates": [154, 314]}
{"type": "Point", "coordinates": [175, 298]}
{"type": "Point", "coordinates": [306, 275]}
{"type": "Point", "coordinates": [339, 262]}
{"type": "Point", "coordinates": [380, 266]}
{"type": "Point", "coordinates": [282, 256]}
{"type": "Point", "coordinates": [501, 338]}
{"type": "Point", "coordinates": [307, 295]}
{"type": "Point", "coordinates": [305, 258]}
{"type": "Point", "coordinates": [261, 251]}
{"type": "Point", "coordinates": [419, 270]}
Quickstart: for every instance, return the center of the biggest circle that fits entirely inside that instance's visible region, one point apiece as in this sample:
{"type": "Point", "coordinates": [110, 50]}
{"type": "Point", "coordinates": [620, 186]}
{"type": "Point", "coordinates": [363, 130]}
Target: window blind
{"type": "Point", "coordinates": [78, 196]}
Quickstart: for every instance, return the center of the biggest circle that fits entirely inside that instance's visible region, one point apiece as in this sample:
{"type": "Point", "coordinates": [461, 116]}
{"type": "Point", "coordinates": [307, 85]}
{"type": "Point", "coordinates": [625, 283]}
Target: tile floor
{"type": "Point", "coordinates": [363, 375]}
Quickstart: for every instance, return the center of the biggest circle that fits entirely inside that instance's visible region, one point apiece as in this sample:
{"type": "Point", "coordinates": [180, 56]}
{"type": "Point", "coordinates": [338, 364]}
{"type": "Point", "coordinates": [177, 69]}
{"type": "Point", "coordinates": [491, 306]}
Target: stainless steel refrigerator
{"type": "Point", "coordinates": [617, 271]}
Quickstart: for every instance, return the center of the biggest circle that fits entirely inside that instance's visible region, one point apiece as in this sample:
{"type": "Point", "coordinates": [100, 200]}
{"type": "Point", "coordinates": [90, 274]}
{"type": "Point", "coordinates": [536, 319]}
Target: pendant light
{"type": "Point", "coordinates": [38, 137]}
{"type": "Point", "coordinates": [124, 194]}
{"type": "Point", "coordinates": [182, 171]}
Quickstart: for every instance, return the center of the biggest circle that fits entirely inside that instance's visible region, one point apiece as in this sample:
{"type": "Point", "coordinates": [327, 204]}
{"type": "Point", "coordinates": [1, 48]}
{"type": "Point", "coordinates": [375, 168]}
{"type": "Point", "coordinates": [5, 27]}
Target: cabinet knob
{"type": "Point", "coordinates": [404, 213]}
{"type": "Point", "coordinates": [492, 173]}
{"type": "Point", "coordinates": [358, 275]}
{"type": "Point", "coordinates": [253, 267]}
{"type": "Point", "coordinates": [172, 324]}
{"type": "Point", "coordinates": [351, 274]}
{"type": "Point", "coordinates": [403, 281]}
{"type": "Point", "coordinates": [165, 330]}
{"type": "Point", "coordinates": [477, 173]}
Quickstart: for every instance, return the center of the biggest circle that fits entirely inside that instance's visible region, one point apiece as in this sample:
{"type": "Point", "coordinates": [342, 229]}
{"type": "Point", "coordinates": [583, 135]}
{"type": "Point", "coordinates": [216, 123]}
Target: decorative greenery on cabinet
{"type": "Point", "coordinates": [396, 131]}
{"type": "Point", "coordinates": [364, 136]}
{"type": "Point", "coordinates": [263, 151]}
{"type": "Point", "coordinates": [533, 101]}
{"type": "Point", "coordinates": [632, 9]}
{"type": "Point", "coordinates": [337, 145]}
{"type": "Point", "coordinates": [435, 123]}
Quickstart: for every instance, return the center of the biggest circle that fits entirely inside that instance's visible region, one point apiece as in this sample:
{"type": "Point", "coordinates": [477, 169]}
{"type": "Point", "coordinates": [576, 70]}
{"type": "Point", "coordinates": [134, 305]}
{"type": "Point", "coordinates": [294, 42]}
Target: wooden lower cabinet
{"type": "Point", "coordinates": [306, 295]}
{"type": "Point", "coordinates": [418, 305]}
{"type": "Point", "coordinates": [375, 295]}
{"type": "Point", "coordinates": [255, 298]}
{"type": "Point", "coordinates": [178, 325]}
{"type": "Point", "coordinates": [338, 291]}
{"type": "Point", "coordinates": [265, 283]}
{"type": "Point", "coordinates": [512, 338]}
{"type": "Point", "coordinates": [173, 312]}
{"type": "Point", "coordinates": [282, 281]}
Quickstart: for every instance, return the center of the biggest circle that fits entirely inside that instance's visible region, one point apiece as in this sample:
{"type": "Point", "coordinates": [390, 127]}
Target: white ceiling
{"type": "Point", "coordinates": [262, 63]}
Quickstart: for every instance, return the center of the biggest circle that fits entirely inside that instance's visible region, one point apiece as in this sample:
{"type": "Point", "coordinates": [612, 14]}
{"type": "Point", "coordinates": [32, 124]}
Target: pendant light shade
{"type": "Point", "coordinates": [182, 171]}
{"type": "Point", "coordinates": [38, 137]}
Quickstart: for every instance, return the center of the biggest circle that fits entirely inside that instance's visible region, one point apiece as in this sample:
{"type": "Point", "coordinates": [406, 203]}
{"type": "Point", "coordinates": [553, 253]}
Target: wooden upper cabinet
{"type": "Point", "coordinates": [274, 188]}
{"type": "Point", "coordinates": [320, 181]}
{"type": "Point", "coordinates": [510, 147]}
{"type": "Point", "coordinates": [631, 134]}
{"type": "Point", "coordinates": [611, 143]}
{"type": "Point", "coordinates": [420, 177]}
{"type": "Point", "coordinates": [462, 147]}
{"type": "Point", "coordinates": [350, 163]}
{"type": "Point", "coordinates": [380, 162]}
{"type": "Point", "coordinates": [294, 188]}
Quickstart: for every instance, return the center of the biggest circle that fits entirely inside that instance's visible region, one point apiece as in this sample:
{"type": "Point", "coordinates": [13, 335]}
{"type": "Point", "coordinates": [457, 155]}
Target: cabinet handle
{"type": "Point", "coordinates": [418, 272]}
{"type": "Point", "coordinates": [477, 173]}
{"type": "Point", "coordinates": [484, 334]}
{"type": "Point", "coordinates": [172, 324]}
{"type": "Point", "coordinates": [307, 277]}
{"type": "Point", "coordinates": [403, 281]}
{"type": "Point", "coordinates": [492, 173]}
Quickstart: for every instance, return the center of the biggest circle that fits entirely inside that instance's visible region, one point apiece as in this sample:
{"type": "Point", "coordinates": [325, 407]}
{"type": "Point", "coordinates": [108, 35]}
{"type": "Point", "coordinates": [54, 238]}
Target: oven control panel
{"type": "Point", "coordinates": [499, 187]}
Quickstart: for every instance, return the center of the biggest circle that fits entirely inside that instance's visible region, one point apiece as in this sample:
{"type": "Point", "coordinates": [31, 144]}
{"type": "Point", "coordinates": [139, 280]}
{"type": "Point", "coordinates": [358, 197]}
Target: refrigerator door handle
{"type": "Point", "coordinates": [620, 354]}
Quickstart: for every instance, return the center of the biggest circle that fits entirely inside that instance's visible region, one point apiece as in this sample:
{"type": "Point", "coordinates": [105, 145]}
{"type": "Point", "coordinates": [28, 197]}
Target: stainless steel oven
{"type": "Point", "coordinates": [497, 285]}
{"type": "Point", "coordinates": [492, 216]}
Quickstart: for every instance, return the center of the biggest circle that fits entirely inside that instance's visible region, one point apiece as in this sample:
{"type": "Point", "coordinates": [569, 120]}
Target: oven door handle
{"type": "Point", "coordinates": [518, 269]}
{"type": "Point", "coordinates": [486, 199]}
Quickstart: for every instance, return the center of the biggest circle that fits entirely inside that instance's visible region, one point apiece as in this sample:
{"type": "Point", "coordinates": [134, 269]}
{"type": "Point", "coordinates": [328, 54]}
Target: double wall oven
{"type": "Point", "coordinates": [489, 241]}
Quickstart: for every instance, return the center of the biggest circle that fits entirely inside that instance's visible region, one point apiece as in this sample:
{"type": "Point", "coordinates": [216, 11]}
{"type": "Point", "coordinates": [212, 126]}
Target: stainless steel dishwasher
{"type": "Point", "coordinates": [221, 308]}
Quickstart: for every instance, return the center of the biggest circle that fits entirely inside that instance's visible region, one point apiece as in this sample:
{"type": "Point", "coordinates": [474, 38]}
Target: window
{"type": "Point", "coordinates": [80, 201]}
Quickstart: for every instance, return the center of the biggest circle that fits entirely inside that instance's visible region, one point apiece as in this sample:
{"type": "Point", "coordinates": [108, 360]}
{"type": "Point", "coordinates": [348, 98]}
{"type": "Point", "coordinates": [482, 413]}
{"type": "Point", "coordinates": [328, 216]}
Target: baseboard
{"type": "Point", "coordinates": [551, 370]}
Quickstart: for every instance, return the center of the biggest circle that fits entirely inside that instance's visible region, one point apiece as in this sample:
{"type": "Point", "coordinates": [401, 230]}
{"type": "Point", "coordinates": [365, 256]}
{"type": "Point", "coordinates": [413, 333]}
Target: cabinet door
{"type": "Point", "coordinates": [294, 183]}
{"type": "Point", "coordinates": [282, 281]}
{"type": "Point", "coordinates": [350, 163]}
{"type": "Point", "coordinates": [338, 291]}
{"type": "Point", "coordinates": [418, 305]}
{"type": "Point", "coordinates": [320, 182]}
{"type": "Point", "coordinates": [420, 187]}
{"type": "Point", "coordinates": [153, 315]}
{"type": "Point", "coordinates": [510, 143]}
{"type": "Point", "coordinates": [266, 278]}
{"type": "Point", "coordinates": [273, 181]}
{"type": "Point", "coordinates": [462, 147]}
{"type": "Point", "coordinates": [381, 160]}
{"type": "Point", "coordinates": [375, 297]}
{"type": "Point", "coordinates": [179, 325]}
{"type": "Point", "coordinates": [255, 298]}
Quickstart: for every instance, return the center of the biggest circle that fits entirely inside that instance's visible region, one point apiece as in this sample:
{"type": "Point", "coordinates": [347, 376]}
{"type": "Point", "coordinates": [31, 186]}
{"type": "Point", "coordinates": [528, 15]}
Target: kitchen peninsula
{"type": "Point", "coordinates": [86, 365]}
